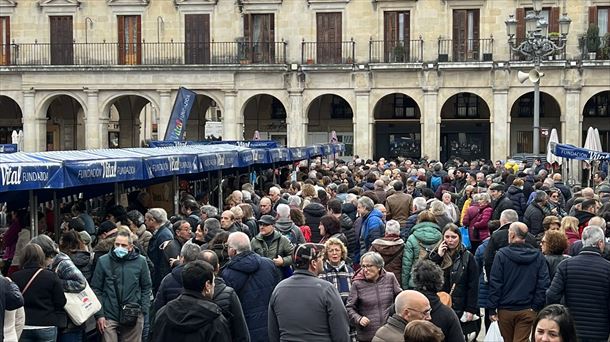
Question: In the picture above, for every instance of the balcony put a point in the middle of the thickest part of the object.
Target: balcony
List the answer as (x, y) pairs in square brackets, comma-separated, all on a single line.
[(603, 53), (559, 55), (328, 52), (395, 51), (465, 50), (144, 53)]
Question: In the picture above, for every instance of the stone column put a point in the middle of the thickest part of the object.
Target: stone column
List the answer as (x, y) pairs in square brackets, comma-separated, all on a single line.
[(499, 125), (165, 108), (93, 129), (34, 128), (363, 126), (571, 128), (430, 133), (296, 125), (232, 129)]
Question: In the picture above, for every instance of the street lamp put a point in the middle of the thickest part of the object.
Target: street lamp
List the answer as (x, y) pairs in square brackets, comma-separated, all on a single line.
[(534, 47)]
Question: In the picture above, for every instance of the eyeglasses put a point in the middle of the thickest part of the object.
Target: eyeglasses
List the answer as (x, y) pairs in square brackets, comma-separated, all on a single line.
[(367, 266), (425, 313)]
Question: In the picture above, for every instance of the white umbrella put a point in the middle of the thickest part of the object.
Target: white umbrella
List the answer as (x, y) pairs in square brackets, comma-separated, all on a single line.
[(590, 142), (598, 142), (550, 157)]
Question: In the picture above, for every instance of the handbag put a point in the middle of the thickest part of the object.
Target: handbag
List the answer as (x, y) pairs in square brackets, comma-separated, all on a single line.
[(493, 333), (82, 305), (465, 237)]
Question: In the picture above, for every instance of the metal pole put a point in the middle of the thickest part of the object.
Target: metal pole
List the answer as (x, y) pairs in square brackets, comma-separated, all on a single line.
[(220, 204), (536, 117), (56, 219), (117, 199), (175, 188)]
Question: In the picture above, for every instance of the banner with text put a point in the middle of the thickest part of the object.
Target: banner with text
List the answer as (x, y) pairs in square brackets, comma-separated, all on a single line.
[(180, 114)]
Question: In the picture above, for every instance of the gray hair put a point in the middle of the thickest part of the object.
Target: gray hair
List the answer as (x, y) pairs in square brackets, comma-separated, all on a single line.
[(48, 246), (379, 206), (485, 197), (509, 215), (591, 235), (540, 196), (209, 210), (246, 195), (351, 198), (392, 227), (294, 201), (374, 257), (189, 252), (366, 202), (158, 214), (437, 208), (125, 232), (211, 224), (282, 210), (419, 203), (239, 241)]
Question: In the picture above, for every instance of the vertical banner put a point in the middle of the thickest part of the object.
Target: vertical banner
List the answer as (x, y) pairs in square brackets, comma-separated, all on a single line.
[(180, 114)]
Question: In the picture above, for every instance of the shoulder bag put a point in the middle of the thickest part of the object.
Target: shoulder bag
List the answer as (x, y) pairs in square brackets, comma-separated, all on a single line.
[(128, 312), (82, 305)]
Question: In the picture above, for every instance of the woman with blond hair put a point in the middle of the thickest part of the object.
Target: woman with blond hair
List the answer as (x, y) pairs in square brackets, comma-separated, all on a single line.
[(336, 270), (569, 225)]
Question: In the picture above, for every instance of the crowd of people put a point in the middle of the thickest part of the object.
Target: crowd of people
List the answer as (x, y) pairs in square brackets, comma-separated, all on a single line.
[(335, 251)]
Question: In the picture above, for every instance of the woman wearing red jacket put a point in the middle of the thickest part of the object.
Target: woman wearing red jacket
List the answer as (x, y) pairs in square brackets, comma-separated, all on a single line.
[(476, 219)]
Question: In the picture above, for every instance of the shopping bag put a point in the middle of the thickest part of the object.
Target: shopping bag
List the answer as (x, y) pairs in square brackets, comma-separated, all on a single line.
[(80, 306), (465, 237), (493, 333)]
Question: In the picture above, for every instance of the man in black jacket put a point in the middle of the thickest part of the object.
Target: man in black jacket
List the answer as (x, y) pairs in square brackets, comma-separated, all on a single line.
[(10, 299), (534, 214), (171, 285), (500, 201), (583, 282)]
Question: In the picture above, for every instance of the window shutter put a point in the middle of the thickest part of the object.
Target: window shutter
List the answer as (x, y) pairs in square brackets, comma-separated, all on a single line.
[(121, 38), (593, 15), (247, 20), (139, 39), (520, 16), (460, 35), (554, 19), (476, 34), (271, 28), (5, 40), (407, 27)]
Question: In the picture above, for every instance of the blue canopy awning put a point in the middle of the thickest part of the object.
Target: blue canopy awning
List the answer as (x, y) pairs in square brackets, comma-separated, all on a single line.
[(21, 171), (280, 154), (168, 161), (578, 153), (299, 153)]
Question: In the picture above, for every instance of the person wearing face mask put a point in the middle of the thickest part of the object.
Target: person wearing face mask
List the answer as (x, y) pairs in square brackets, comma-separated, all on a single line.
[(122, 284), (193, 316)]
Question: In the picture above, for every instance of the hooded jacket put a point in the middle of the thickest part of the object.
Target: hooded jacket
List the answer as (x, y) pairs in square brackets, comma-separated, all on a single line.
[(132, 279), (519, 279), (83, 260), (391, 249), (313, 213), (500, 205), (426, 233), (533, 217), (518, 199), (190, 318), (372, 228), (290, 230), (253, 279), (230, 306)]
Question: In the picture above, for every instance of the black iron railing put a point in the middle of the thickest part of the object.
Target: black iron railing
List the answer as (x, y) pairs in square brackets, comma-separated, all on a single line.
[(144, 53), (328, 52), (465, 50), (396, 51)]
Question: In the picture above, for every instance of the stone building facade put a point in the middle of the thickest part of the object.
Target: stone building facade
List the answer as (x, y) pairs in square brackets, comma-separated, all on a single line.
[(390, 77)]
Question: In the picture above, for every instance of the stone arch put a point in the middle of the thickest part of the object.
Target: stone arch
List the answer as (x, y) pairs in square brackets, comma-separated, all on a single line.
[(596, 114), (11, 118), (397, 126), (65, 128), (521, 118), (206, 108), (465, 129), (266, 114), (329, 112), (132, 118)]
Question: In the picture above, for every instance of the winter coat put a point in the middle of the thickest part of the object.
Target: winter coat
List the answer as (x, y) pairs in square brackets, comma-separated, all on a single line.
[(583, 282), (519, 279), (313, 213), (253, 279), (476, 220), (290, 231), (399, 207), (156, 255), (144, 237), (350, 210), (230, 306), (427, 234), (565, 191), (405, 231), (43, 300), (552, 262), (518, 199), (170, 288), (392, 331), (372, 228), (14, 322), (11, 299), (340, 276), (280, 245), (347, 228), (83, 260), (443, 220), (572, 237), (371, 299), (23, 239), (498, 240), (391, 249), (131, 276), (583, 219), (533, 217), (479, 256), (72, 280), (191, 317), (444, 317), (10, 237), (500, 205)]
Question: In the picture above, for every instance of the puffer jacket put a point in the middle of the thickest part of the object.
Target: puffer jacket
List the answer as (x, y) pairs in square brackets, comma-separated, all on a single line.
[(313, 213), (372, 228), (479, 256), (253, 278), (228, 301), (405, 231), (350, 210), (516, 195), (371, 299), (170, 288), (476, 220), (144, 237), (83, 260), (72, 280), (426, 233), (347, 228), (553, 261), (533, 217), (391, 249), (392, 331)]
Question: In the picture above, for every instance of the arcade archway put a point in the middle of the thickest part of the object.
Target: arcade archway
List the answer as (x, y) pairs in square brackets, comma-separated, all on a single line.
[(10, 119), (327, 113), (65, 124), (397, 127), (132, 121), (522, 119), (267, 115)]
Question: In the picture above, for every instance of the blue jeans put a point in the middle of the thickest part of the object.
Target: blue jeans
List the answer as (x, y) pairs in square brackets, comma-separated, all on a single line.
[(39, 335), (72, 336)]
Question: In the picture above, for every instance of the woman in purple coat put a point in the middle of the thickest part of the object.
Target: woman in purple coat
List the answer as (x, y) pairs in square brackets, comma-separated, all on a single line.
[(372, 293)]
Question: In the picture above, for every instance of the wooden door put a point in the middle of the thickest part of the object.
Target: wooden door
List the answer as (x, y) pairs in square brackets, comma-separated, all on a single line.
[(328, 43), (5, 40), (130, 38), (259, 31), (397, 41), (197, 38), (465, 35), (62, 40)]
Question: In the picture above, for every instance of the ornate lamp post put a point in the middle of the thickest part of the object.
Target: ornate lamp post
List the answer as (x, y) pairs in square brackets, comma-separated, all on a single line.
[(534, 47)]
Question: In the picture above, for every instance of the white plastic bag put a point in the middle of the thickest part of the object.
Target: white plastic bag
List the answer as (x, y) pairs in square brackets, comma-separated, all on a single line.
[(493, 333)]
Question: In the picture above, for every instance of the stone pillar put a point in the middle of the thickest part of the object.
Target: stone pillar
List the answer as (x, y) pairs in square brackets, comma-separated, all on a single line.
[(296, 124), (93, 129), (232, 129), (34, 128), (499, 125), (363, 126), (571, 128), (165, 109), (430, 133)]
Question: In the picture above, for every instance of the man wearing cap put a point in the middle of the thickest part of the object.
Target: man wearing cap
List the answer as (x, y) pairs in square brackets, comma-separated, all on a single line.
[(500, 201), (271, 244), (306, 295), (603, 192)]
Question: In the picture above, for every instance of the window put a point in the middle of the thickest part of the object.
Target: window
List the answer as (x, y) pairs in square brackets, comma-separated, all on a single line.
[(396, 36), (340, 109), (130, 37), (598, 105), (259, 31), (466, 34), (600, 16), (404, 107), (467, 106), (329, 35), (62, 43), (348, 140), (278, 112), (5, 40), (526, 106), (197, 38)]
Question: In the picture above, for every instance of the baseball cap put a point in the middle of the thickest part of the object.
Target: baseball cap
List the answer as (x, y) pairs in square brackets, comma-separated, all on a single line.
[(306, 252), (266, 219)]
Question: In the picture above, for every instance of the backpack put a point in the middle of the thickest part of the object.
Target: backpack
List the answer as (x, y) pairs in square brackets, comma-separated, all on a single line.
[(435, 182), (292, 237), (424, 250)]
